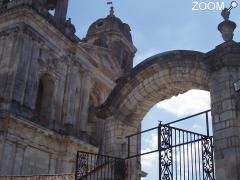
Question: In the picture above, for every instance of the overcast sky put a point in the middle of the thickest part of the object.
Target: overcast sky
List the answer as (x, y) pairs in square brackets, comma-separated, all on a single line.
[(158, 26)]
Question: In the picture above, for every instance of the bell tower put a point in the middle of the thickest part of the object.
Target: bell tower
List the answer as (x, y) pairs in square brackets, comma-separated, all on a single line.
[(58, 6), (112, 33), (61, 11)]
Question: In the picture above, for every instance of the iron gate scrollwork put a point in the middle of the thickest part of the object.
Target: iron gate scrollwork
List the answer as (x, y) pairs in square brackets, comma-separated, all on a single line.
[(81, 165), (164, 146), (183, 154), (207, 155), (98, 167)]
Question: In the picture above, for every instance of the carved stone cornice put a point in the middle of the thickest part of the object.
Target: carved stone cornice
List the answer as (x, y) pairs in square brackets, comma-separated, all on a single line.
[(24, 29), (224, 55), (11, 30), (10, 120), (30, 4)]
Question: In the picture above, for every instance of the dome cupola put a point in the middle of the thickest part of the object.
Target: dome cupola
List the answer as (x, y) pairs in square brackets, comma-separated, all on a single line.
[(110, 24), (112, 33)]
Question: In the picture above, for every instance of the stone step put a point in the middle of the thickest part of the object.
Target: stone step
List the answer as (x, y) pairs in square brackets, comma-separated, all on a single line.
[(40, 177)]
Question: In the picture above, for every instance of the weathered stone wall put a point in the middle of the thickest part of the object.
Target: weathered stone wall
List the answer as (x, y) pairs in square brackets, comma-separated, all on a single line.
[(163, 76), (225, 67), (35, 48), (45, 140), (27, 148), (51, 84)]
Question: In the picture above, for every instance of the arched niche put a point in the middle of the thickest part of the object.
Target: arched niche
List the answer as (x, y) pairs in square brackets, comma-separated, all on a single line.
[(94, 125), (44, 97), (100, 42), (94, 101)]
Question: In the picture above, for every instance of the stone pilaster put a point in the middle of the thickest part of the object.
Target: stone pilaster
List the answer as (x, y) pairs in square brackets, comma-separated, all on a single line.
[(115, 143), (8, 61), (72, 97), (25, 84), (87, 85), (65, 108), (18, 159), (224, 63), (31, 87)]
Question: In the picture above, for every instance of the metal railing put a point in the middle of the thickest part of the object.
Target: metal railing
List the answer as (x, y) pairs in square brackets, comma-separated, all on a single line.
[(90, 166), (182, 154), (131, 137)]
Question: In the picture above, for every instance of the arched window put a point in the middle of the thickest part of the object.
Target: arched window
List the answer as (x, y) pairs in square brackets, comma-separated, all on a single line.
[(45, 96), (95, 129), (101, 43), (125, 61)]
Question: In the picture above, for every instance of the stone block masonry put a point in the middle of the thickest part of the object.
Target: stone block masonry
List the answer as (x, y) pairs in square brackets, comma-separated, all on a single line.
[(43, 177)]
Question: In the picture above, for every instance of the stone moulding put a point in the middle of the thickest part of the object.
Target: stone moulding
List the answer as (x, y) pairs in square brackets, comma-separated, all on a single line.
[(45, 15), (40, 177)]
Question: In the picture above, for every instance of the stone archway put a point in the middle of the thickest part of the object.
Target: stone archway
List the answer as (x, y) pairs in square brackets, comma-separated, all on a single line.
[(155, 79)]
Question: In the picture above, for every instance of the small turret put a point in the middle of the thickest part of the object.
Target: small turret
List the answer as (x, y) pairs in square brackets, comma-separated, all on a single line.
[(55, 11), (59, 6)]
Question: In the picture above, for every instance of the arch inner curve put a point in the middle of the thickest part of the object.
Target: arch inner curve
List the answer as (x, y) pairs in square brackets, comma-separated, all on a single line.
[(155, 79)]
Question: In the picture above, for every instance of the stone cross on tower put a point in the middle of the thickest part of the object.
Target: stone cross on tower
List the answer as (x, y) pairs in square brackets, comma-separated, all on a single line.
[(111, 13)]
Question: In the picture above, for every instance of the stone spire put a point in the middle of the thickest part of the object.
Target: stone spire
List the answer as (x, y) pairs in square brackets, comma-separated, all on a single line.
[(227, 27)]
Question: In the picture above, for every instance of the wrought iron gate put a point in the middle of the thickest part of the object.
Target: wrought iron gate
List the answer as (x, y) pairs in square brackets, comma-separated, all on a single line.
[(91, 166), (183, 155)]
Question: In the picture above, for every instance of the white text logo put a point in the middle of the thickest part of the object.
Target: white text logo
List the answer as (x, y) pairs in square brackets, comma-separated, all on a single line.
[(210, 6)]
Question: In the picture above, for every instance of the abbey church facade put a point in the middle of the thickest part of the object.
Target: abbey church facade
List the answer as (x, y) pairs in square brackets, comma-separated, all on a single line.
[(60, 94), (51, 83)]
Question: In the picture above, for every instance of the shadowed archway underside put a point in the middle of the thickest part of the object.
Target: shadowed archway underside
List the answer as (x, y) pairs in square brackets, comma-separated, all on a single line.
[(155, 79)]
